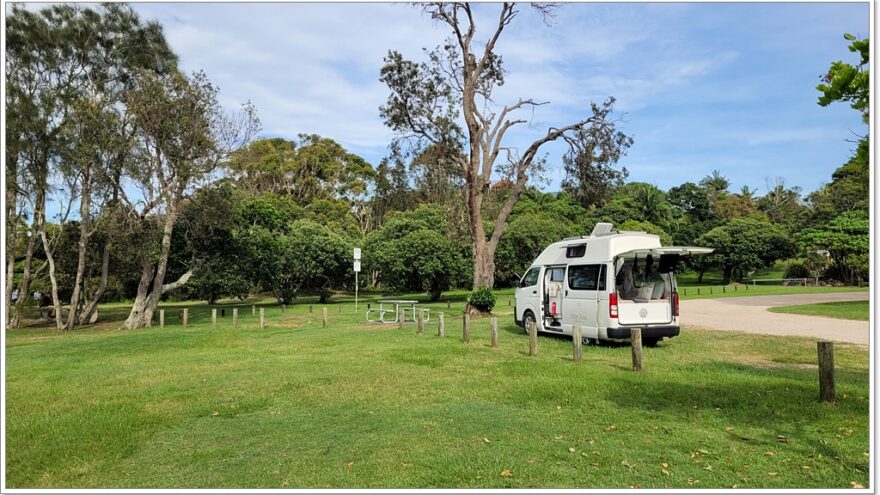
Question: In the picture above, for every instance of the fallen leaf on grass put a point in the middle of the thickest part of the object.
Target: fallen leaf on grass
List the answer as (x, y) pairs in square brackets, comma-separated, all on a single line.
[(215, 413), (627, 464), (665, 464), (350, 465), (855, 485), (781, 438), (729, 428), (506, 473), (486, 440), (571, 449), (772, 473), (665, 472), (769, 454)]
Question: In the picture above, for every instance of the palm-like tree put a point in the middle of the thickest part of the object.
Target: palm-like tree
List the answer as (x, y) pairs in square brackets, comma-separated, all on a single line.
[(715, 183), (651, 204)]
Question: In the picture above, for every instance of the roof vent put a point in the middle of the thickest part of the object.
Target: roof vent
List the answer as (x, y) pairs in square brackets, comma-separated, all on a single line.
[(601, 228)]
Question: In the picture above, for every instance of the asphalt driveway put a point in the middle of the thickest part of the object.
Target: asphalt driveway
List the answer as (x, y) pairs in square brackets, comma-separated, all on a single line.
[(750, 314)]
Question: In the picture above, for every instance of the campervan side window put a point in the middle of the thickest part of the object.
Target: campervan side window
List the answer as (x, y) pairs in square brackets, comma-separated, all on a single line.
[(586, 277), (576, 251), (530, 278)]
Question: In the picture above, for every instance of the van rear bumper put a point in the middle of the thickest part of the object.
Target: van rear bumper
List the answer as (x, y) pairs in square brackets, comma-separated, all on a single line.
[(647, 332)]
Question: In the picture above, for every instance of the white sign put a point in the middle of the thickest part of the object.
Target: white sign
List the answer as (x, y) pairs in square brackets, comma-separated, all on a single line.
[(357, 254), (357, 265)]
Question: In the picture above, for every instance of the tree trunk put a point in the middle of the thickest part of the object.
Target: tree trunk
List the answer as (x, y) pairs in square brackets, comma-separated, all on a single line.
[(700, 278), (483, 256), (24, 287), (11, 232), (148, 298), (728, 274), (84, 234), (91, 303), (484, 265), (56, 302)]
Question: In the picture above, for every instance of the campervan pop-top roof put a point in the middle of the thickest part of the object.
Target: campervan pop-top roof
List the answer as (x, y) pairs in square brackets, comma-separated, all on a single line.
[(602, 244)]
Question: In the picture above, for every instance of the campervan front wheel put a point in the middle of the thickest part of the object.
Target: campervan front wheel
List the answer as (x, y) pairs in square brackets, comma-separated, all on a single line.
[(528, 319)]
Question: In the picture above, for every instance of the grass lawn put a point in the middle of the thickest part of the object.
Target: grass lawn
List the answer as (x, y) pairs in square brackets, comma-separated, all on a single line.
[(847, 310), (360, 405)]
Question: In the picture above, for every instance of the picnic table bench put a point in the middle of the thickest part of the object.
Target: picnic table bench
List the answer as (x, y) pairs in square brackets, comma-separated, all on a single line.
[(394, 307)]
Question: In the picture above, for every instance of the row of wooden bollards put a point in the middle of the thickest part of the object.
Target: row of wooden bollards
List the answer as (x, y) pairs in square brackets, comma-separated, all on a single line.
[(185, 316), (684, 290)]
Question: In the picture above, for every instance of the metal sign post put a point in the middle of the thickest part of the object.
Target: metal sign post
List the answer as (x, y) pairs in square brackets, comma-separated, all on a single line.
[(357, 269)]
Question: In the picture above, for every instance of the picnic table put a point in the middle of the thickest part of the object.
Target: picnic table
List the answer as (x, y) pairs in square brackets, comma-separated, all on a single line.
[(394, 307)]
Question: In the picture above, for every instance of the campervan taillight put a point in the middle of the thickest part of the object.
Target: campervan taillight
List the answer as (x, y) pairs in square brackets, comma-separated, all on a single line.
[(553, 308), (675, 304), (612, 305)]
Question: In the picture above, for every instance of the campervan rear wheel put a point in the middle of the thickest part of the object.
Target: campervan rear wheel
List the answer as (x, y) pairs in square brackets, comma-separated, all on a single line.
[(651, 342), (528, 319)]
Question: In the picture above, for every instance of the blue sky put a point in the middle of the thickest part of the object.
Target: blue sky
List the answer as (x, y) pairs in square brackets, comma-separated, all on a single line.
[(702, 86)]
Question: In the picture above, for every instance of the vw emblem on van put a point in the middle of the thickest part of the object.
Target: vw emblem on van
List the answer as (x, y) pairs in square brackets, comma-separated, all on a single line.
[(643, 312)]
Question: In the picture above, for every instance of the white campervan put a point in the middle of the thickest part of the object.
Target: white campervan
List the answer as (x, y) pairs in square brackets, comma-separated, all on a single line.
[(606, 283)]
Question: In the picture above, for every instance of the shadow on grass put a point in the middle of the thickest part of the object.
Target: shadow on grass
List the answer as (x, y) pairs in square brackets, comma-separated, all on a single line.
[(781, 405)]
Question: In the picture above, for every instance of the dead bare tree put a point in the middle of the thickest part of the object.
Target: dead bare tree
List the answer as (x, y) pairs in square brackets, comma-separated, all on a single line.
[(429, 102)]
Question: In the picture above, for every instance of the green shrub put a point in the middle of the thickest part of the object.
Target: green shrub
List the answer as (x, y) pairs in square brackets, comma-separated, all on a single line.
[(482, 299), (797, 269)]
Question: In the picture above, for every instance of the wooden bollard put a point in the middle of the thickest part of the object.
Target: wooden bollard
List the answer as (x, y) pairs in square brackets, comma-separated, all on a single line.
[(253, 309), (213, 317), (734, 287), (340, 309), (636, 338), (421, 327), (161, 318), (466, 328), (283, 307), (324, 317), (698, 291), (508, 302), (747, 287), (724, 290), (310, 308), (493, 325), (827, 391), (441, 325), (710, 291), (262, 318), (223, 312), (185, 317), (448, 305), (576, 344), (685, 291), (234, 317), (400, 318), (533, 338)]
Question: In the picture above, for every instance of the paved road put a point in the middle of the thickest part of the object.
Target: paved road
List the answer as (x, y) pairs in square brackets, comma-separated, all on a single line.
[(749, 314)]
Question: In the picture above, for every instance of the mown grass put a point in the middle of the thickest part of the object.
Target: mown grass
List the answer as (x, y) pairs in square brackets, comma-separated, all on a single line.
[(361, 405), (847, 310)]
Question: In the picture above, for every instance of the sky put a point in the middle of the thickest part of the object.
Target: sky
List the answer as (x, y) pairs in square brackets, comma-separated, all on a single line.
[(699, 87)]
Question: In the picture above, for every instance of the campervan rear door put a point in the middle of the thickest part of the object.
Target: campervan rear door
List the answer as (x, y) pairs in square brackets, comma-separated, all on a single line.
[(642, 309)]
